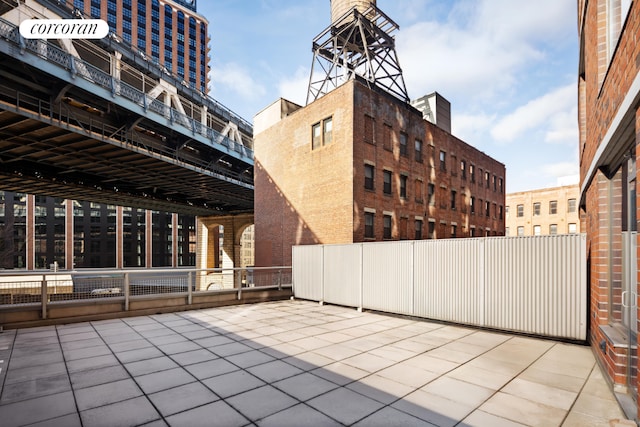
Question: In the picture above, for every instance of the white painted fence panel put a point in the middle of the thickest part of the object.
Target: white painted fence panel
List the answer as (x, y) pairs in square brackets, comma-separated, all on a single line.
[(388, 274), (532, 285)]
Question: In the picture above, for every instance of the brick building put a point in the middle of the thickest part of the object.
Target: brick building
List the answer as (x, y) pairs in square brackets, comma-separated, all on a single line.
[(359, 165), (544, 211), (609, 93)]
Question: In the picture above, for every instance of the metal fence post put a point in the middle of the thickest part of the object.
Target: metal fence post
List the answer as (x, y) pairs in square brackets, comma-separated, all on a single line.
[(189, 290), (239, 284), (126, 291), (279, 279), (44, 296)]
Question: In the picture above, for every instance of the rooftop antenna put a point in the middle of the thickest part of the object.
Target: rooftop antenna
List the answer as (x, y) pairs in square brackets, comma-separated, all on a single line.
[(359, 42)]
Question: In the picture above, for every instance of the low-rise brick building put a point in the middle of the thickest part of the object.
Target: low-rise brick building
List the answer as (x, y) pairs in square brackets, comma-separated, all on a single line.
[(609, 119), (359, 165)]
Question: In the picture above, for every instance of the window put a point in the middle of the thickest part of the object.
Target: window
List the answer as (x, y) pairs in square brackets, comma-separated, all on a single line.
[(418, 149), (453, 200), (571, 205), (432, 194), (368, 225), (403, 144), (494, 181), (520, 231), (553, 207), (369, 126), (472, 205), (500, 212), (553, 229), (487, 209), (573, 228), (403, 186), (387, 131), (387, 175), (418, 191), (386, 227), (443, 161), (369, 172), (463, 169), (500, 188), (487, 176), (418, 229), (472, 173), (431, 234), (322, 133), (454, 230), (536, 230), (536, 209), (520, 213)]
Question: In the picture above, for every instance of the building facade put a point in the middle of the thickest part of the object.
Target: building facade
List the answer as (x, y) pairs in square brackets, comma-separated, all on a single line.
[(546, 211), (360, 165), (609, 121), (38, 231), (170, 32)]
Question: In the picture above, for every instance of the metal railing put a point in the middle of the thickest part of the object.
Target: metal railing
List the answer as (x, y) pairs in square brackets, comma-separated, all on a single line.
[(47, 288), (81, 68)]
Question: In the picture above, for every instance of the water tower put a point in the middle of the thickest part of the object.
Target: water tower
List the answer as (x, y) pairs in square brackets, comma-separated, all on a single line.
[(358, 43)]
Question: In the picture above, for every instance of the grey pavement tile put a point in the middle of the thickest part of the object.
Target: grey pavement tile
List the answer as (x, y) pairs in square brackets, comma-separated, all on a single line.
[(390, 417), (194, 356), (156, 423), (345, 405), (337, 352), (105, 394), (148, 366), (114, 334), (518, 409), (296, 416), (433, 408), (89, 378), (121, 414), (459, 391), (74, 328), (28, 351), (25, 342), (564, 382), (213, 341), (202, 416), (71, 420), (482, 419), (163, 380), (380, 388), (32, 372), (167, 339), (73, 345), (308, 361), (91, 363), (368, 362), (541, 393), (261, 402), (340, 373), (38, 409), (199, 334), (211, 368), (230, 349), (35, 387), (80, 336), (123, 337), (479, 376), (140, 320), (156, 332), (182, 398), (233, 383), (130, 345), (83, 353), (36, 358), (189, 327), (249, 359), (179, 347), (274, 371), (408, 375), (597, 407), (139, 354), (304, 386)]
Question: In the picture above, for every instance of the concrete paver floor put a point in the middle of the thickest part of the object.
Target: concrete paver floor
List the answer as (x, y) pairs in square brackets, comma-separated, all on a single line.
[(294, 363)]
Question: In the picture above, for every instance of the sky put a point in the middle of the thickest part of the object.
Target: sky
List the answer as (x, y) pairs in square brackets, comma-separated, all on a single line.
[(508, 67)]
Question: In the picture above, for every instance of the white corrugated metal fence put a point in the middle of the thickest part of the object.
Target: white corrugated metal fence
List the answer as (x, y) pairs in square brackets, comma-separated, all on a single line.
[(533, 285)]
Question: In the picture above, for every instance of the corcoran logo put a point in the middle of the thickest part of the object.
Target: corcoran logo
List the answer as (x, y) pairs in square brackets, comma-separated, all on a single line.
[(64, 29)]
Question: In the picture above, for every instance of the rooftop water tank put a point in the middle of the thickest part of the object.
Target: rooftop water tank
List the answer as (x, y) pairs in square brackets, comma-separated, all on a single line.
[(340, 7)]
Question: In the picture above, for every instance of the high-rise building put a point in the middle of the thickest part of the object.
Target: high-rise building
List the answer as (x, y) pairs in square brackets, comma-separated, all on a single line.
[(358, 163), (609, 122), (169, 32)]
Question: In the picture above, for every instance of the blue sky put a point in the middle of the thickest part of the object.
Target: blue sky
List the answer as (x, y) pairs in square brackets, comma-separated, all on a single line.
[(508, 67)]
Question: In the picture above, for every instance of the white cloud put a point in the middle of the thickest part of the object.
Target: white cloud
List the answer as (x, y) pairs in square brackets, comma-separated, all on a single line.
[(471, 127), (237, 79), (294, 88), (552, 112), (561, 169)]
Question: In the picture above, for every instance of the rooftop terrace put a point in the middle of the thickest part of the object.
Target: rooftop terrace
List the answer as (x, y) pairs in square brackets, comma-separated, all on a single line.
[(293, 363)]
